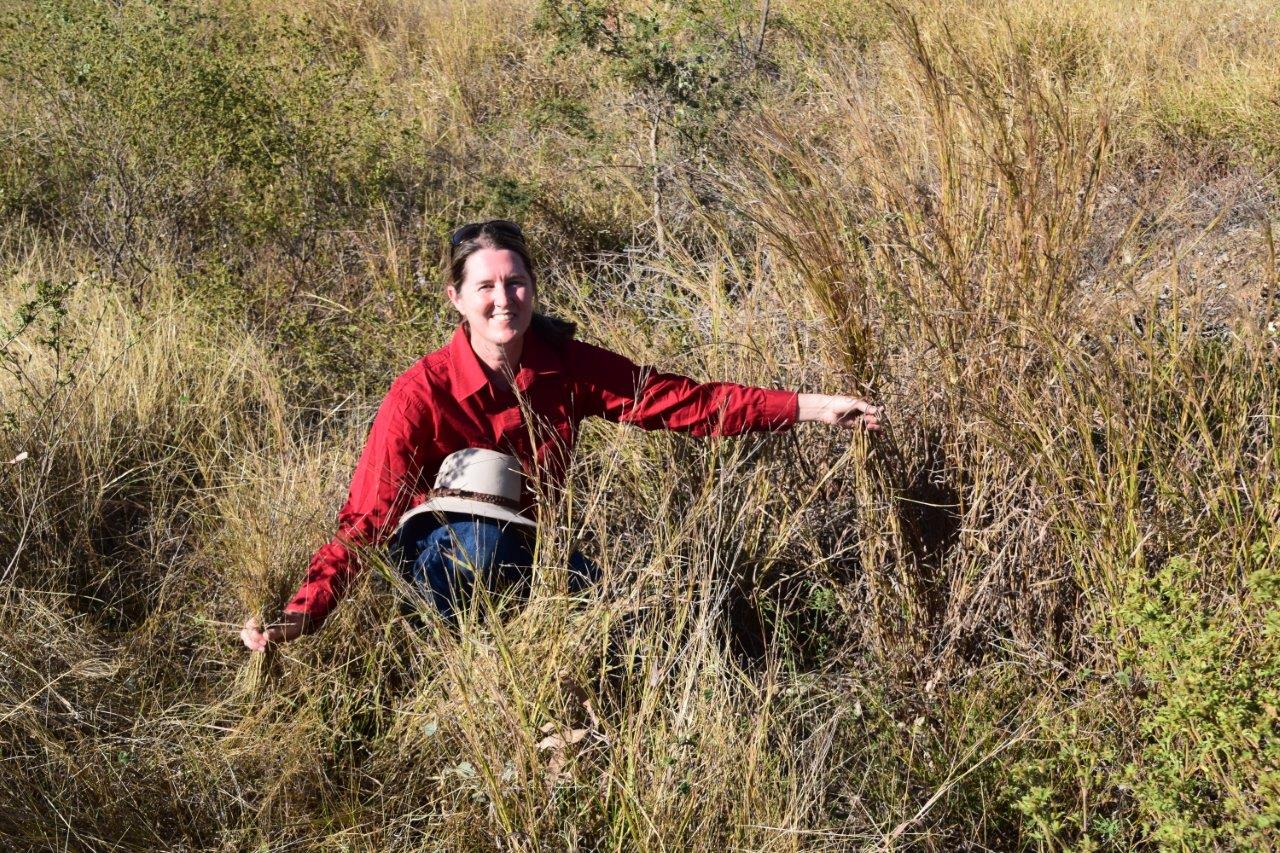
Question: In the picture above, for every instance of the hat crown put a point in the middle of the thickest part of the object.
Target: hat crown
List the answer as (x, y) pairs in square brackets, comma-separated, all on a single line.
[(485, 472)]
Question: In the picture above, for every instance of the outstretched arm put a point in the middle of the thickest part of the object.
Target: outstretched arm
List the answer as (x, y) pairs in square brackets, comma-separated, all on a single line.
[(611, 386)]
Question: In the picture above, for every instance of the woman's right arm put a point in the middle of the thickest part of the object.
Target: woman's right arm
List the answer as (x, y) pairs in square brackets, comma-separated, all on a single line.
[(390, 466)]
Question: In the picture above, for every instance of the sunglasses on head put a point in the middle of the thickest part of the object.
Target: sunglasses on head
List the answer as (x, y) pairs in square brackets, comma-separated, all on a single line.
[(472, 230)]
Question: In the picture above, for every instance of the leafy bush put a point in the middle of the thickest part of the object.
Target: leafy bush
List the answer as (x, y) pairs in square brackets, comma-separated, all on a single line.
[(677, 57), (1208, 770), (185, 128)]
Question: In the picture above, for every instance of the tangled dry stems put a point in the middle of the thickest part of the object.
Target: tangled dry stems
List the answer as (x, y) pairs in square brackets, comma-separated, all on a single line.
[(1039, 612)]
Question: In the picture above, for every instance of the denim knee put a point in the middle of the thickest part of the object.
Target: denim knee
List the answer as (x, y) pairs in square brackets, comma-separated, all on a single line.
[(443, 558)]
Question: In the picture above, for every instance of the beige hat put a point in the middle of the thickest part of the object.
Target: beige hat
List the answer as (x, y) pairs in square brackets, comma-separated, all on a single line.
[(479, 482)]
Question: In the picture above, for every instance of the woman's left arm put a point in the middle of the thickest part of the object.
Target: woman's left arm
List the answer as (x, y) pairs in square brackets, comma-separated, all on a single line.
[(839, 411), (611, 386)]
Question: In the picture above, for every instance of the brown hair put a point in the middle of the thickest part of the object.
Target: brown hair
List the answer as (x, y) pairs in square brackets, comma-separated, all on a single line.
[(503, 234)]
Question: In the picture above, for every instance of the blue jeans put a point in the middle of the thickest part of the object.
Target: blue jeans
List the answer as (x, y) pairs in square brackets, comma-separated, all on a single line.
[(443, 554)]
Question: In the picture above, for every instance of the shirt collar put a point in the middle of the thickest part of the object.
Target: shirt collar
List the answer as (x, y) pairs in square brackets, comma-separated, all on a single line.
[(468, 376)]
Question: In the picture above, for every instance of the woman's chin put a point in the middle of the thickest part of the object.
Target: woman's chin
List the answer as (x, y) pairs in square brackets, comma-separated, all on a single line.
[(500, 333)]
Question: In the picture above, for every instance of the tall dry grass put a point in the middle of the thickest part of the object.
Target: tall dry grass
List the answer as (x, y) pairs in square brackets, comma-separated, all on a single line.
[(1038, 613)]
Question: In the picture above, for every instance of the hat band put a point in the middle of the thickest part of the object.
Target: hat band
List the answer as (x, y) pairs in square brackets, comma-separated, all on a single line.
[(497, 500)]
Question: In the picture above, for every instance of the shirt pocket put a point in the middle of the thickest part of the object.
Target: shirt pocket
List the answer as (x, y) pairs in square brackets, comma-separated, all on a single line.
[(566, 431), (508, 423)]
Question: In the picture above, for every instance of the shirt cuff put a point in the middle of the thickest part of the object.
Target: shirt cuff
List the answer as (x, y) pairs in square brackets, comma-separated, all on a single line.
[(778, 410), (314, 604)]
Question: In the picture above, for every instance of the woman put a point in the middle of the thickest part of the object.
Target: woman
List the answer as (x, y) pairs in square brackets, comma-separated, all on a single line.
[(513, 381)]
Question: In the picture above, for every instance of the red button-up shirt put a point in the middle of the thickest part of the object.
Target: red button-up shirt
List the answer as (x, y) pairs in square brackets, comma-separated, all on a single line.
[(445, 403)]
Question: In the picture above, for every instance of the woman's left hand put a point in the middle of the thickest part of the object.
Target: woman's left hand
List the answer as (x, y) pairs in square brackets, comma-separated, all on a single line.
[(839, 411)]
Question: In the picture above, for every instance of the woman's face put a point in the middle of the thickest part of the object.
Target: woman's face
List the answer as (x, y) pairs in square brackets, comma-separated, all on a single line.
[(496, 296)]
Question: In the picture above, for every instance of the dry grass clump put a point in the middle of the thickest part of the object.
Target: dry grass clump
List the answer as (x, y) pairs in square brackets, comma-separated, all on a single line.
[(1038, 613)]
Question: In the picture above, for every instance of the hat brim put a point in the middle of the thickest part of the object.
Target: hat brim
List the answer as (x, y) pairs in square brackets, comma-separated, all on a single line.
[(469, 507)]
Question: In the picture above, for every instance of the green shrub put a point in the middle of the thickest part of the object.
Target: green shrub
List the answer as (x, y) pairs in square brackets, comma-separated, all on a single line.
[(184, 127), (681, 59), (1208, 771), (1179, 746)]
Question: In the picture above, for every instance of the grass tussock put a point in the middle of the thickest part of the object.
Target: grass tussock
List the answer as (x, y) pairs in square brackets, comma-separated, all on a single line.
[(1038, 613)]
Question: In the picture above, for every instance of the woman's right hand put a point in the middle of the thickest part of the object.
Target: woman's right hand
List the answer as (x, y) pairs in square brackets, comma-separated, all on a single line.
[(256, 638)]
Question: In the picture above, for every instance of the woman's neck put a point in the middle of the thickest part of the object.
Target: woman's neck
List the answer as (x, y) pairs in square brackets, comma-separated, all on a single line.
[(499, 360)]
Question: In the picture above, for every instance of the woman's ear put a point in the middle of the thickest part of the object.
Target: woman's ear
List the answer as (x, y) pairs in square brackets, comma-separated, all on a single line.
[(451, 292)]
